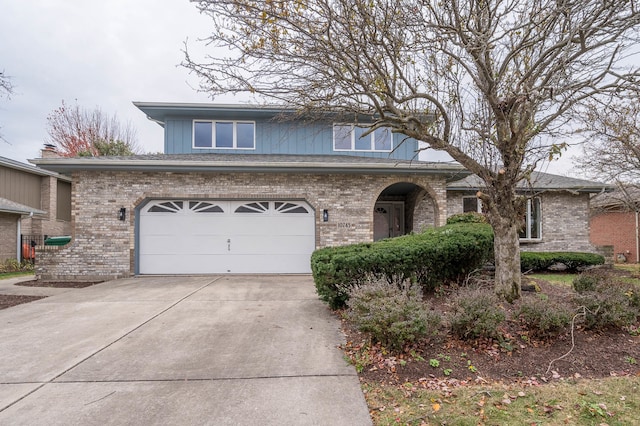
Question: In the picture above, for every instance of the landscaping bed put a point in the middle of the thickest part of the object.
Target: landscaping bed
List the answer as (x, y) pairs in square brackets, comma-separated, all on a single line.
[(58, 284), (9, 300), (596, 354), (581, 376)]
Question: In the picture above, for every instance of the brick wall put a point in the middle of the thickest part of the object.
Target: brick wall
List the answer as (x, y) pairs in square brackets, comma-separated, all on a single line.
[(104, 247), (565, 221), (9, 233), (617, 229)]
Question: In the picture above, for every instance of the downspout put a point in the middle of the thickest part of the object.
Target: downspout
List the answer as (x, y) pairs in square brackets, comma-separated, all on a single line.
[(19, 240)]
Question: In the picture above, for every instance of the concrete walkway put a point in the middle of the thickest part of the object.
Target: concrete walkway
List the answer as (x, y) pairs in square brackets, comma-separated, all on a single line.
[(226, 350)]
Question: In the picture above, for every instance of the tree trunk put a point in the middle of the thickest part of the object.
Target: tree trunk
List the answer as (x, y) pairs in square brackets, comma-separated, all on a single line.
[(507, 257)]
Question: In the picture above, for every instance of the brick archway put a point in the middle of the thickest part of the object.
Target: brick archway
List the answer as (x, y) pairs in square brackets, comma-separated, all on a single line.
[(409, 205)]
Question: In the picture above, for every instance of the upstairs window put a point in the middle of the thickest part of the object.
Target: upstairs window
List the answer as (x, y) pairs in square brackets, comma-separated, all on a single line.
[(532, 229), (224, 134), (349, 137)]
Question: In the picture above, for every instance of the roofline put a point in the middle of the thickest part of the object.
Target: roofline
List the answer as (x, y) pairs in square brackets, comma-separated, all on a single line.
[(73, 164), (580, 189), (17, 165), (21, 212), (209, 106)]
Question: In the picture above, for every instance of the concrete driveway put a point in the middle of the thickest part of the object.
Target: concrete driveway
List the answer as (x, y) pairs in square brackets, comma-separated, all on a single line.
[(223, 350)]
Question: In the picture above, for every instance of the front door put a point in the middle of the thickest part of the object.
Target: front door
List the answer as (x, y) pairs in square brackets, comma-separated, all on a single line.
[(388, 220)]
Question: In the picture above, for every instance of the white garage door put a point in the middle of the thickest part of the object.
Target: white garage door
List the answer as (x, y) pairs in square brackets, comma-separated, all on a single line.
[(204, 237)]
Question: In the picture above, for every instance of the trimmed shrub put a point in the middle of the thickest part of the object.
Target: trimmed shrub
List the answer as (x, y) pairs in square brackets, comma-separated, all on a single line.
[(608, 307), (393, 316), (431, 258), (542, 318), (583, 283), (540, 261), (477, 314), (471, 217)]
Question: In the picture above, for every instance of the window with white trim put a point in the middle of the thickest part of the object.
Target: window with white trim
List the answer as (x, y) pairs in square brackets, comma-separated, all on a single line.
[(532, 229), (349, 137), (209, 134)]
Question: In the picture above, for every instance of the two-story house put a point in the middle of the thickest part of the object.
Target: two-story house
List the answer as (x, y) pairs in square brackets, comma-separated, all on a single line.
[(34, 203), (244, 189)]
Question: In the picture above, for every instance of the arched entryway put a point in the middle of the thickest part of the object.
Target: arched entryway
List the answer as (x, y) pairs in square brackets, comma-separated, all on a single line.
[(402, 208)]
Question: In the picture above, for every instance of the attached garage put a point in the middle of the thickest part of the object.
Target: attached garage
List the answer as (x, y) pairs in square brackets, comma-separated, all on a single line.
[(218, 236)]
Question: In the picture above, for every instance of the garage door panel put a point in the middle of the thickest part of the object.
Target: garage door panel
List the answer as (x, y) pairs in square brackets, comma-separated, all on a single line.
[(271, 226), (276, 237), (196, 264), (274, 264), (183, 245), (275, 244)]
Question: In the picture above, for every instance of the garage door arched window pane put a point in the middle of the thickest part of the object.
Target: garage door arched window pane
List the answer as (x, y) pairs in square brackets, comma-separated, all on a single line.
[(167, 207), (204, 207), (282, 207), (261, 207)]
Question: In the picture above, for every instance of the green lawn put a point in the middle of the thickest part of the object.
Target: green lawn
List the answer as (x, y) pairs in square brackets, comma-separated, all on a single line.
[(557, 278), (5, 275)]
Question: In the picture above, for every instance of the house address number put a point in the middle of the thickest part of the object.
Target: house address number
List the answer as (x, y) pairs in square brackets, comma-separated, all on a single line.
[(346, 225)]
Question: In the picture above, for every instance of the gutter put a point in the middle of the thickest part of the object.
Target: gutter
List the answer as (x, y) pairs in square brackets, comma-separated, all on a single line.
[(244, 166), (160, 123)]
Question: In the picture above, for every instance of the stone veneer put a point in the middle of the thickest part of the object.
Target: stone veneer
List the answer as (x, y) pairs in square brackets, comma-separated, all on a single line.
[(104, 247)]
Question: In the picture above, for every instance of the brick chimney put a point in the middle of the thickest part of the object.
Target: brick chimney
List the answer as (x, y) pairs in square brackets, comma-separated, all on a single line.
[(49, 151)]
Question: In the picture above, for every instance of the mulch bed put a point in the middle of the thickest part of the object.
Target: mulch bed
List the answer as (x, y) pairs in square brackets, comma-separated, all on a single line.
[(58, 284), (9, 300), (518, 359)]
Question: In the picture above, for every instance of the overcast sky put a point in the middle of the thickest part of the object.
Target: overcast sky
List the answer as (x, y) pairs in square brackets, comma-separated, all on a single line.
[(99, 53), (102, 54)]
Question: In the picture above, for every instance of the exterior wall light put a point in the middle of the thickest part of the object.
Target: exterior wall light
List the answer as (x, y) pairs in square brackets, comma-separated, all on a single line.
[(325, 215), (122, 213)]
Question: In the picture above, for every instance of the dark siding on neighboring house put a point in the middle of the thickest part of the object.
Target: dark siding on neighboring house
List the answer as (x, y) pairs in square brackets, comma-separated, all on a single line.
[(21, 187), (63, 195)]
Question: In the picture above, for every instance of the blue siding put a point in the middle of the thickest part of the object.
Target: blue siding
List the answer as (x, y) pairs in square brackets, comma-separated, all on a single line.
[(273, 137)]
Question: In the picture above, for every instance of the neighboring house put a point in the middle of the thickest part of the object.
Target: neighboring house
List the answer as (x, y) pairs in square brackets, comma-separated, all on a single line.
[(615, 222), (245, 189), (11, 216), (34, 203), (557, 215)]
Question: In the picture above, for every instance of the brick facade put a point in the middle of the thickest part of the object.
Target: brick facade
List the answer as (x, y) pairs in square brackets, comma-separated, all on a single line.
[(9, 232), (565, 221), (104, 247), (617, 229)]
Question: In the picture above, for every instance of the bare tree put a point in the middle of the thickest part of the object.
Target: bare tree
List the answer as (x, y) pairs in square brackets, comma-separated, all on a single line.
[(79, 132), (483, 80), (6, 89), (611, 151)]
